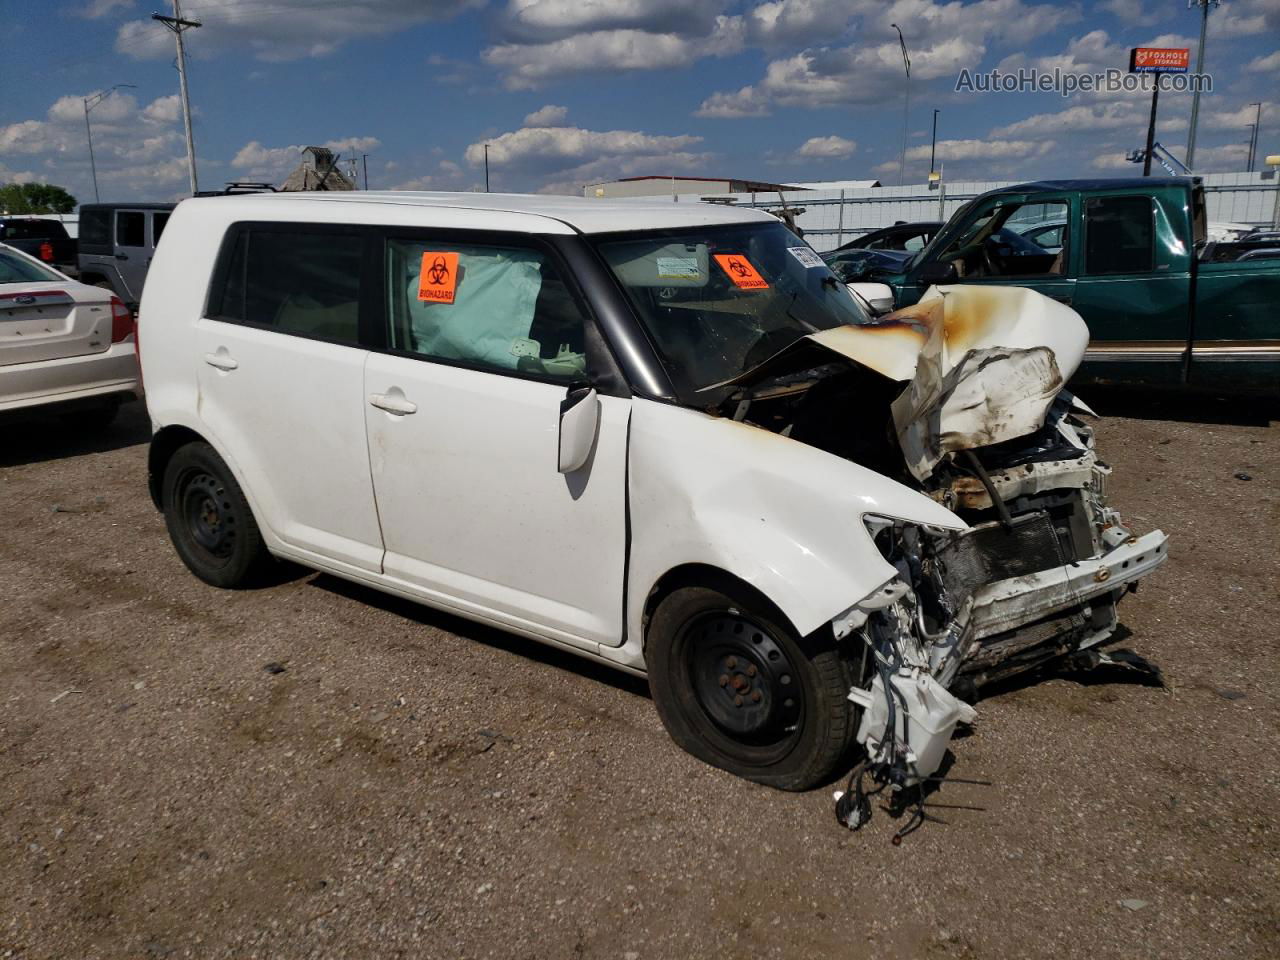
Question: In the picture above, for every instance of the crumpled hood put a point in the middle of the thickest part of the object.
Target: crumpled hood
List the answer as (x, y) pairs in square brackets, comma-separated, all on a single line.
[(984, 364)]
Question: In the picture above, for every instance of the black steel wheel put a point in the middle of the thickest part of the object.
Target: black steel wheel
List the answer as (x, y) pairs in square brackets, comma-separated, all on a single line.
[(209, 519), (738, 689)]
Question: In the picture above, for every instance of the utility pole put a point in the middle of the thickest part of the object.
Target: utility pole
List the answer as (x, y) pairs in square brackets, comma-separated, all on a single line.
[(933, 145), (179, 26), (89, 104), (1195, 96), (1253, 137), (486, 168), (364, 159), (906, 104)]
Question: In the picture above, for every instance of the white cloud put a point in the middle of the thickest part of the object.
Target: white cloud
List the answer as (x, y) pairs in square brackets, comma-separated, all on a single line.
[(1130, 12), (1085, 118), (284, 29), (827, 148), (137, 151), (1270, 62), (556, 19), (548, 116), (96, 9), (747, 102), (564, 158), (529, 65), (163, 109)]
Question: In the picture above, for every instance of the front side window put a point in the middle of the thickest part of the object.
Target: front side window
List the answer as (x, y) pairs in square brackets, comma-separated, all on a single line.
[(501, 308), (1119, 235), (718, 300), (999, 242), (131, 228), (304, 282), (158, 222)]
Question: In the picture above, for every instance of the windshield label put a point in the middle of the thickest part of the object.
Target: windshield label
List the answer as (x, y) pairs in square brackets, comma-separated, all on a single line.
[(741, 272), (806, 256), (438, 279), (678, 268)]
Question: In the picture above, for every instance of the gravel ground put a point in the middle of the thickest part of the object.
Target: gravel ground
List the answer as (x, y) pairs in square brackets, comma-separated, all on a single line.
[(414, 785)]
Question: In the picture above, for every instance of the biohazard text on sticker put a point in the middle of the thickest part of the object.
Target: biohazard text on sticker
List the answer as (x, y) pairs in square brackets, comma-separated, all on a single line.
[(438, 281), (741, 272)]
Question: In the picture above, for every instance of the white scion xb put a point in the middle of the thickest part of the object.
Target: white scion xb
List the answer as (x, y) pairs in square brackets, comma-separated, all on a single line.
[(658, 435)]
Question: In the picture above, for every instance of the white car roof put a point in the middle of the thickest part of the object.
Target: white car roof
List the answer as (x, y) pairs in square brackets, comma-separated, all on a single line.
[(527, 213)]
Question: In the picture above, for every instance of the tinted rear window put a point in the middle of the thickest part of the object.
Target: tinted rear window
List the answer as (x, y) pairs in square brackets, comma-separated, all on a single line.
[(95, 228), (131, 228), (158, 223), (1119, 235), (305, 282), (32, 230)]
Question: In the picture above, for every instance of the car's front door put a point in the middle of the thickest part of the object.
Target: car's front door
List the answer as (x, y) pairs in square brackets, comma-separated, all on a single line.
[(1006, 258), (463, 413), (132, 250), (281, 375)]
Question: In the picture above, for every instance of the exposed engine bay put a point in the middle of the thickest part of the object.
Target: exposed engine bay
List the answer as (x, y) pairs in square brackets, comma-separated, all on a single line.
[(972, 384)]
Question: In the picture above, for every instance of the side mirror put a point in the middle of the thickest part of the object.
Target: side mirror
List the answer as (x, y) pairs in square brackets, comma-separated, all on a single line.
[(579, 420), (936, 271)]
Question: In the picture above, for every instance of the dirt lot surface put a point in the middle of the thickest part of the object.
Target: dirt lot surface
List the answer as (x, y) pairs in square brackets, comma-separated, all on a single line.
[(413, 785)]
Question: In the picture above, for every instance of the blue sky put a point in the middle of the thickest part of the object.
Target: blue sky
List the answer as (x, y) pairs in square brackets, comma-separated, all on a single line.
[(568, 92)]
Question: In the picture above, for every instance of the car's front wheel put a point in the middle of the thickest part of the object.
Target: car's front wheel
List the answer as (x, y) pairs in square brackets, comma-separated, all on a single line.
[(209, 519), (737, 688)]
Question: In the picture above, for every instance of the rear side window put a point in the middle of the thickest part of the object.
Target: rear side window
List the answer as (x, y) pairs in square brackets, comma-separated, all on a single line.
[(500, 308), (95, 228), (33, 230), (1119, 235), (131, 228), (304, 282), (158, 223)]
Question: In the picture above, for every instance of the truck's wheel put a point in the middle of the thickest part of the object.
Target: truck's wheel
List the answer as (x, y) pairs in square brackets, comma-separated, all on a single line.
[(737, 688), (209, 519)]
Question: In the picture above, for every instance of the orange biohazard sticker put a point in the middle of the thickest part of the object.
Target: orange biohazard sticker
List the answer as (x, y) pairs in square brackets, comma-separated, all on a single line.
[(439, 278), (741, 272)]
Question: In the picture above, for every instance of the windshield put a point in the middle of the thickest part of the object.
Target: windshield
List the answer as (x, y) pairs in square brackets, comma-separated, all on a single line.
[(16, 269), (718, 300)]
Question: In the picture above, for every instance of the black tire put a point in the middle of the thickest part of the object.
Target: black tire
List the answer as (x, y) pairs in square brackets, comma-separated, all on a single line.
[(209, 519), (738, 689)]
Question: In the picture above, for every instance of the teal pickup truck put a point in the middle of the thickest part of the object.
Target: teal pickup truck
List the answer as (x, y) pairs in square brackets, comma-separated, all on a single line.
[(1164, 308)]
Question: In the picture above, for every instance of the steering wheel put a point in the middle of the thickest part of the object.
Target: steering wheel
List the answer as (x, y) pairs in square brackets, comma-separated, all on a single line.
[(988, 257)]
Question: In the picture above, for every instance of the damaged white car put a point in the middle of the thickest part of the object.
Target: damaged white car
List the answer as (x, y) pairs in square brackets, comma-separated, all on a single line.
[(661, 436)]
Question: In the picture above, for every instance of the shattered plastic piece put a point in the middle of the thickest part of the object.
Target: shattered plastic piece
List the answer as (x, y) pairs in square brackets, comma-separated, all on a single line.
[(931, 715), (1134, 904)]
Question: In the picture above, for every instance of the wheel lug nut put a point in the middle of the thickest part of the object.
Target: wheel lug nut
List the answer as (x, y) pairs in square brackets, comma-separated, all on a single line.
[(785, 679), (724, 679), (737, 701), (751, 670), (755, 697), (731, 662)]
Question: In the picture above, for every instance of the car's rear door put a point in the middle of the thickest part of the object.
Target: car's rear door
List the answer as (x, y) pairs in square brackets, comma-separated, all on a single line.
[(484, 336), (281, 376)]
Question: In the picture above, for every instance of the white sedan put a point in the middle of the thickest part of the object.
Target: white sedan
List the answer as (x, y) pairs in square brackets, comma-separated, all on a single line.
[(63, 342)]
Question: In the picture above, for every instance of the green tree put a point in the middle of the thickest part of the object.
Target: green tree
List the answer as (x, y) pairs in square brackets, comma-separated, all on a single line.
[(35, 198)]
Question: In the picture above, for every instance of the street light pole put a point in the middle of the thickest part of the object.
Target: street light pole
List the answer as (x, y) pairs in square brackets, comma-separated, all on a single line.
[(1195, 96), (1253, 137), (933, 144), (89, 104), (486, 168), (906, 104)]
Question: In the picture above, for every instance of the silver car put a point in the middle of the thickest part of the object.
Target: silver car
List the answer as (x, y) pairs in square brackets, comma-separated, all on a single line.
[(63, 342)]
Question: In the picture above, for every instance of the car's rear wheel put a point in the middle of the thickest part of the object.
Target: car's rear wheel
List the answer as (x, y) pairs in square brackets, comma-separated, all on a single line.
[(209, 519), (737, 688)]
